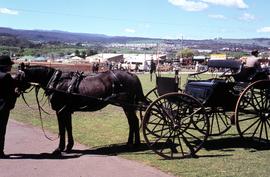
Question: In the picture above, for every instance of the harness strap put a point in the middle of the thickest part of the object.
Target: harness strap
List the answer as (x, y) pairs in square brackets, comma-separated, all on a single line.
[(116, 82), (75, 81), (53, 81)]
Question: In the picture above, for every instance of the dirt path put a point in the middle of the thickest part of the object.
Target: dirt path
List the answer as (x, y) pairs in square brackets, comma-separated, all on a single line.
[(29, 157)]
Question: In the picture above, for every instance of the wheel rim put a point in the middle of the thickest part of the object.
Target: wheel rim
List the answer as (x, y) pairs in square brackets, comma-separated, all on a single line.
[(152, 95), (253, 112), (219, 120), (175, 126)]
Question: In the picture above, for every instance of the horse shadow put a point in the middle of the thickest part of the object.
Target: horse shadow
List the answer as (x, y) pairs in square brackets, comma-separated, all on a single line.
[(228, 143), (112, 149), (107, 150)]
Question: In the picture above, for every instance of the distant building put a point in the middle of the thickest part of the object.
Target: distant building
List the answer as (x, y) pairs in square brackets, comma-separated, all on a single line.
[(220, 56), (105, 57), (199, 58), (142, 60)]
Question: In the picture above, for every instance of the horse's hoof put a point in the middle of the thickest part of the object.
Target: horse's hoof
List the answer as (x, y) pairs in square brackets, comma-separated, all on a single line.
[(133, 146), (56, 152), (137, 145), (130, 145), (69, 147)]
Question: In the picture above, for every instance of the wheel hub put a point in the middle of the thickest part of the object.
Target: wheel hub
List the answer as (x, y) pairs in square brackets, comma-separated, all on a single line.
[(265, 115)]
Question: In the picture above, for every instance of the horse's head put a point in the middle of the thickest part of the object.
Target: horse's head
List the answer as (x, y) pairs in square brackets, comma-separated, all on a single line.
[(27, 75), (20, 78)]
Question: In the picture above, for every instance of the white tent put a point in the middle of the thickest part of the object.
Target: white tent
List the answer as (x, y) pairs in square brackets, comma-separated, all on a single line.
[(76, 58)]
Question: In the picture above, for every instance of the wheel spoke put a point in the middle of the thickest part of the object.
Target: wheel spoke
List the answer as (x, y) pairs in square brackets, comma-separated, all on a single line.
[(250, 126), (261, 130), (250, 118), (158, 139), (180, 145), (188, 144), (157, 131), (249, 103), (266, 133)]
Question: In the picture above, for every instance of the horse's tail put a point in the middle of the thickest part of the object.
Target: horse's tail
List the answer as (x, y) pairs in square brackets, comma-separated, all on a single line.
[(140, 98)]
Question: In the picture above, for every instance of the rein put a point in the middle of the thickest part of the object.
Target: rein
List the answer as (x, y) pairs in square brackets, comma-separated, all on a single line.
[(22, 93), (40, 108), (37, 87)]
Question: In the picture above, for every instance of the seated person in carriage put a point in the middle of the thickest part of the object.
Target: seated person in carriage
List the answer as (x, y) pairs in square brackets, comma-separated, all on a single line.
[(251, 61), (251, 70)]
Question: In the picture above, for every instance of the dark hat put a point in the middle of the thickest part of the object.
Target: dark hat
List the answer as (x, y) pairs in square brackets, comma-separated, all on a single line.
[(5, 60), (254, 52)]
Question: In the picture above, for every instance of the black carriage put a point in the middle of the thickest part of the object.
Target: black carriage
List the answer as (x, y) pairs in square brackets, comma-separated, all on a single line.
[(177, 123)]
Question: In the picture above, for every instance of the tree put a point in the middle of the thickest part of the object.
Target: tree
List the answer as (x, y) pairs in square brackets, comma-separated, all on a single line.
[(77, 53), (90, 52), (83, 55), (185, 53)]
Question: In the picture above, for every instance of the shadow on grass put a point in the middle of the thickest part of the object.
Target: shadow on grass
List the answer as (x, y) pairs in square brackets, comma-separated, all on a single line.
[(230, 143)]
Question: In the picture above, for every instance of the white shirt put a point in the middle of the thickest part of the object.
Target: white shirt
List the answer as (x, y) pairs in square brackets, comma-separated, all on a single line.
[(251, 60)]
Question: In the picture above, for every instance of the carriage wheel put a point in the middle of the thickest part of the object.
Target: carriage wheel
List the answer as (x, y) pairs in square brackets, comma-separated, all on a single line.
[(175, 126), (252, 112), (219, 121), (150, 97)]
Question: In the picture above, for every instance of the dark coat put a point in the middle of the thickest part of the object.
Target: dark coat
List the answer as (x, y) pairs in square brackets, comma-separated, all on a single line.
[(7, 92)]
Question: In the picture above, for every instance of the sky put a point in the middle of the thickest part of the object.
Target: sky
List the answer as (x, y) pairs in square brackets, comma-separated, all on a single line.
[(167, 19)]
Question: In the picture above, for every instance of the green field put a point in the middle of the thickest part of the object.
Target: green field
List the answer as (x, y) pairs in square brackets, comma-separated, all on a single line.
[(106, 132)]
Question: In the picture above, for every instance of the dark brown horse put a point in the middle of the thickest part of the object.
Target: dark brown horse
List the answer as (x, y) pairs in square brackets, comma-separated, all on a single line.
[(70, 91)]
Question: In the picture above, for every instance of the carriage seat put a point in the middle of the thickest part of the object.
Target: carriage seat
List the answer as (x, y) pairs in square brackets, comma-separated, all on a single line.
[(166, 85), (251, 74), (229, 67), (202, 90)]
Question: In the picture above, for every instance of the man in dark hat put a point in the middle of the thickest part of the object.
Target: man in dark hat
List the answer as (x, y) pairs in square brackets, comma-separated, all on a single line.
[(8, 98)]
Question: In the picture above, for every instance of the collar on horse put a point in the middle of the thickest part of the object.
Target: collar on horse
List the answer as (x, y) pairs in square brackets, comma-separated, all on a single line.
[(75, 81), (72, 86), (116, 83)]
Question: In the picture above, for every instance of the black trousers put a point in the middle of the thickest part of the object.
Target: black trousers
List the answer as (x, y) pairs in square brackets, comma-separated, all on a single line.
[(4, 115)]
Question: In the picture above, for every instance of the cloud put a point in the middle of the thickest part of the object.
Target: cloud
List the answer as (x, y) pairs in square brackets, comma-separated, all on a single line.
[(217, 16), (189, 5), (8, 11), (230, 3), (199, 5), (128, 30), (247, 17), (264, 30)]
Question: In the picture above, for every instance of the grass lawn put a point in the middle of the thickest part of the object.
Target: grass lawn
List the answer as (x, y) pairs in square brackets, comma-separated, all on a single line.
[(106, 132)]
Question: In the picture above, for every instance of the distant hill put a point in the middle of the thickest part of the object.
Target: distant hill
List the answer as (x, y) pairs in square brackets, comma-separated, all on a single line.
[(62, 36)]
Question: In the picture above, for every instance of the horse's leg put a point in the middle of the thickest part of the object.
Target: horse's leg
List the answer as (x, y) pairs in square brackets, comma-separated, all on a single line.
[(133, 122), (61, 127), (68, 124)]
